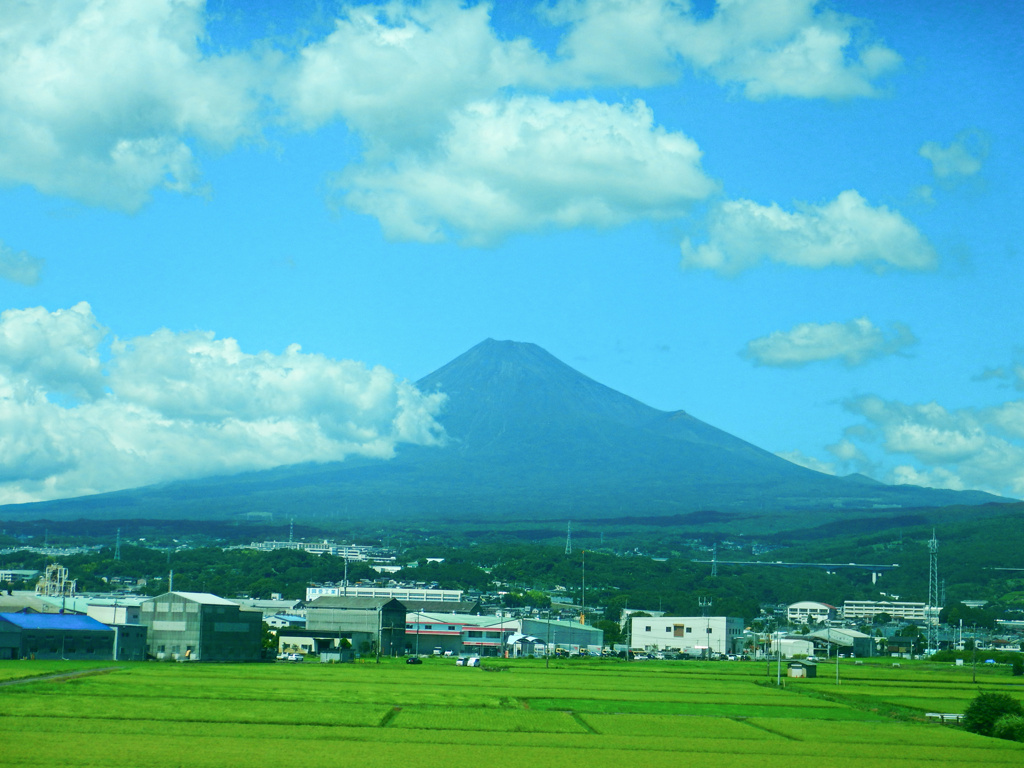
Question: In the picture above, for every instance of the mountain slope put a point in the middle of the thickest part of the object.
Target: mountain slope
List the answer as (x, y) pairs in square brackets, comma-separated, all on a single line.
[(527, 436)]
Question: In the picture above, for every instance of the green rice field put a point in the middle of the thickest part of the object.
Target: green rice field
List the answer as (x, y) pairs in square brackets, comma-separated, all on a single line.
[(437, 714)]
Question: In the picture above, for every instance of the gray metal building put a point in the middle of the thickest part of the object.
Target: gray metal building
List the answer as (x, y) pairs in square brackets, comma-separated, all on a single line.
[(367, 622), (566, 634), (198, 626)]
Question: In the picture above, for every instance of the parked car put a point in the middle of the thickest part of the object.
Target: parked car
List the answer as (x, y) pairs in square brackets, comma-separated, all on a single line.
[(414, 660), (296, 657)]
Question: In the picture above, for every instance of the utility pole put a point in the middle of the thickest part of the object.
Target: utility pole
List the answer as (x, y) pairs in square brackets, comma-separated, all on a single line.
[(583, 591), (778, 677), (705, 603)]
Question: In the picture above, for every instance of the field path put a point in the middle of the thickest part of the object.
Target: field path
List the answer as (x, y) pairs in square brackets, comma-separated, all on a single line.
[(59, 676)]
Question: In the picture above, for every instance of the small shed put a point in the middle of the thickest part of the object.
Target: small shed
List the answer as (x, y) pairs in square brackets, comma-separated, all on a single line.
[(801, 669)]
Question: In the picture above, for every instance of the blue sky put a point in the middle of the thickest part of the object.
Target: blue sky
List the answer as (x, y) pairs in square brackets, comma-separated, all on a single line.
[(231, 239)]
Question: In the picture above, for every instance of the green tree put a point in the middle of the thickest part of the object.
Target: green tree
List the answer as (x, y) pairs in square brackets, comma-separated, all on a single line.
[(986, 708), (268, 640), (611, 629), (1009, 727)]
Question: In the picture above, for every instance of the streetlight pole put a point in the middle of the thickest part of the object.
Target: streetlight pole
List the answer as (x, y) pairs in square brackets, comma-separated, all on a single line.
[(974, 653), (547, 645), (778, 678), (829, 651)]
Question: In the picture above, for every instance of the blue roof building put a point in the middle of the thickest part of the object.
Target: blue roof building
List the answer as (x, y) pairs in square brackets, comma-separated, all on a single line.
[(54, 636)]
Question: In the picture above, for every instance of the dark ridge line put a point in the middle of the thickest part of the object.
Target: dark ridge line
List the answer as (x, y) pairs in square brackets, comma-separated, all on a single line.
[(388, 717), (59, 676)]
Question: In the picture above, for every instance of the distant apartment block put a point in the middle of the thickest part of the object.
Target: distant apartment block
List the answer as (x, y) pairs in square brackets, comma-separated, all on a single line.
[(12, 575), (808, 612), (868, 609), (350, 551), (395, 593)]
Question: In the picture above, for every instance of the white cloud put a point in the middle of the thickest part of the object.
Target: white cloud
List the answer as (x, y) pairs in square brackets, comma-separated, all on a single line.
[(850, 458), (1013, 373), (809, 462), (844, 232), (939, 477), (1008, 417), (854, 343), (395, 72), (790, 48), (529, 163), (169, 406), (53, 353), (962, 157), (99, 98), (19, 266), (961, 448)]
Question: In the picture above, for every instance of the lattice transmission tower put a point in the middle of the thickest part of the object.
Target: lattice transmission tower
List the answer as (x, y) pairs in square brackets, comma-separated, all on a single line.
[(934, 598)]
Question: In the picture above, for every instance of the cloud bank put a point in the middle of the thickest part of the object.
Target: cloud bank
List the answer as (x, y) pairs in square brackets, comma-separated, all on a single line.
[(100, 99), (106, 101), (530, 163), (794, 48), (981, 448), (855, 343), (845, 232), (79, 418)]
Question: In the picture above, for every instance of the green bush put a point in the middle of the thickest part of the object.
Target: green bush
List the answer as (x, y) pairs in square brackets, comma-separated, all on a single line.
[(986, 708), (1009, 727)]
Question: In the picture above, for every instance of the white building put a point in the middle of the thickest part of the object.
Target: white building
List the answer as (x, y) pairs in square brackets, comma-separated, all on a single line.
[(111, 613), (396, 593), (627, 612), (687, 634), (350, 551), (427, 632), (808, 612), (10, 576), (868, 609), (792, 646)]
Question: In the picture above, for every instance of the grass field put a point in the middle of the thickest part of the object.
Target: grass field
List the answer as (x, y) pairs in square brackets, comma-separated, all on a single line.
[(436, 714)]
